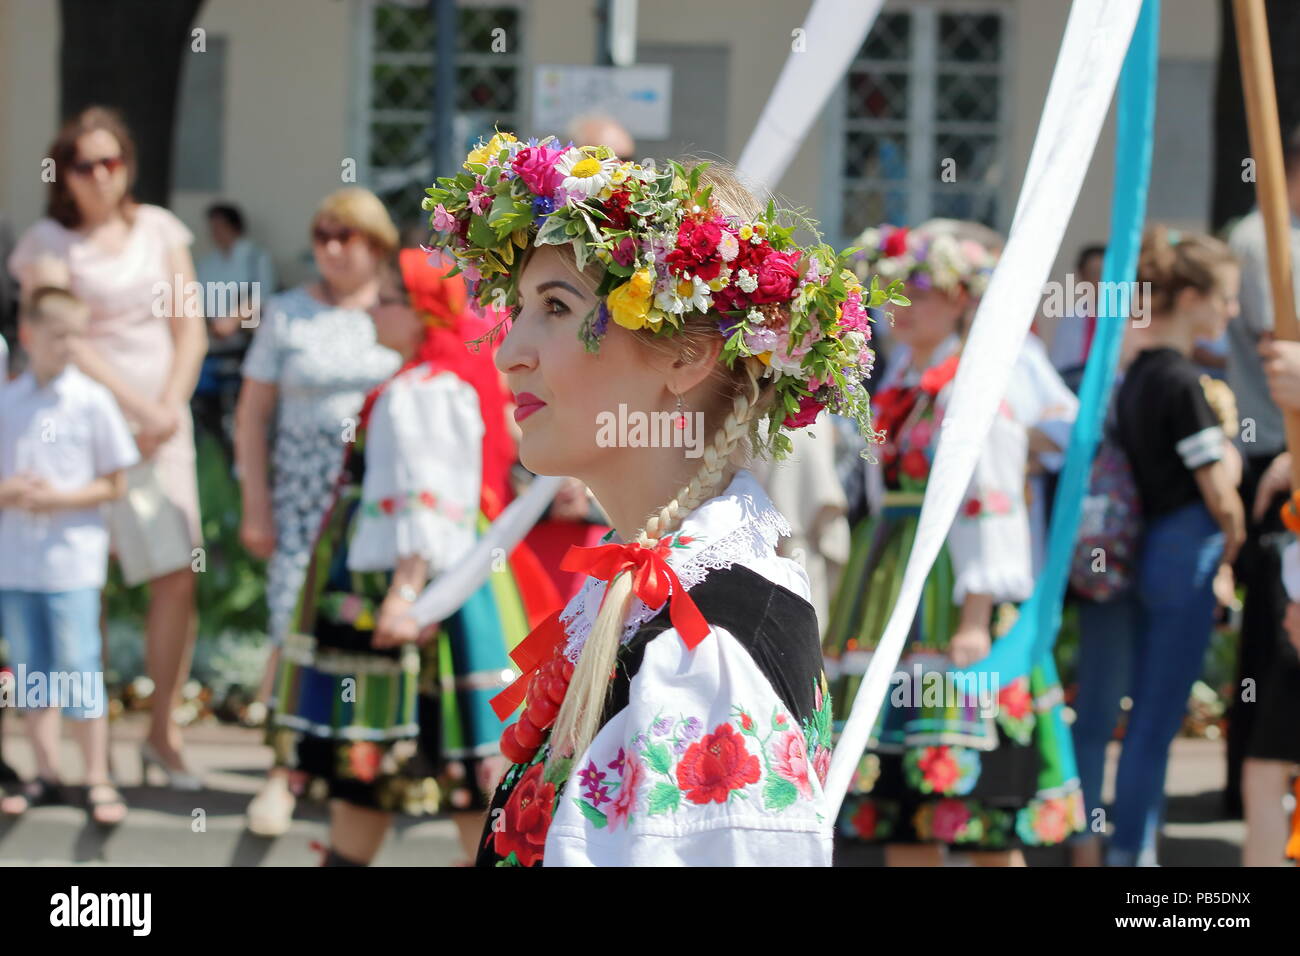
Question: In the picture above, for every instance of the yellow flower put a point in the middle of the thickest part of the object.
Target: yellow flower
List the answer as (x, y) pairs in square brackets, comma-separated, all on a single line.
[(365, 621), (746, 231), (483, 153), (629, 304), (765, 357)]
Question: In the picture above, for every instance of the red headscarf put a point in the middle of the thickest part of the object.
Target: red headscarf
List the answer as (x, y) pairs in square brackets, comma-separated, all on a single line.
[(444, 349)]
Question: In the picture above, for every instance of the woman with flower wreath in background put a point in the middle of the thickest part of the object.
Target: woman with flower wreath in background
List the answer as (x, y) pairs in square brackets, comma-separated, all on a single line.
[(943, 768), (395, 719), (676, 711)]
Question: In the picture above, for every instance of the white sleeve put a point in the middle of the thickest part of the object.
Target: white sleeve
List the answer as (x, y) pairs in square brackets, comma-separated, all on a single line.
[(423, 474), (989, 540), (705, 766)]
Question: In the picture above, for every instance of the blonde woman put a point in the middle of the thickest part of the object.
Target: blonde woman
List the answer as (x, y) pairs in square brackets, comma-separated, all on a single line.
[(312, 361), (675, 712)]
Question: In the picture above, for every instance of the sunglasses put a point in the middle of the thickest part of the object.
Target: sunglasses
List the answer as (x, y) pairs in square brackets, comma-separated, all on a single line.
[(87, 167), (322, 236)]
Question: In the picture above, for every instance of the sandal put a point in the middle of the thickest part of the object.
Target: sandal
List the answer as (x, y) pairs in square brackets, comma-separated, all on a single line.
[(36, 793), (97, 805)]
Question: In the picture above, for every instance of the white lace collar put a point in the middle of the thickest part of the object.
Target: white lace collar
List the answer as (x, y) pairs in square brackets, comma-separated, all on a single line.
[(739, 526)]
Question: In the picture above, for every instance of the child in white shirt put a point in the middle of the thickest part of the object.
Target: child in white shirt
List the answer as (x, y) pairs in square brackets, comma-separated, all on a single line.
[(63, 447)]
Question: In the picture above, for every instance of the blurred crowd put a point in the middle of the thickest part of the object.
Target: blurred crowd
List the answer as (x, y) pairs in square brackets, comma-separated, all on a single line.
[(112, 369)]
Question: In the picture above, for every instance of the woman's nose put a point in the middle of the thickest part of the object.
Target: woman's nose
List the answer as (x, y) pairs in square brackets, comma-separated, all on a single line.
[(515, 353)]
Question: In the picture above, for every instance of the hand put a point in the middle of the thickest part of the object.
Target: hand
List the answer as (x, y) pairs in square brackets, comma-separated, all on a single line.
[(1292, 624), (14, 488), (1225, 588), (1234, 536), (1275, 481), (39, 498), (395, 625), (257, 531), (968, 645), (1281, 364), (157, 424), (225, 326)]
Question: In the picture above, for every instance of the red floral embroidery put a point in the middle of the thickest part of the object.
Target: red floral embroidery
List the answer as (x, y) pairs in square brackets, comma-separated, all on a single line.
[(527, 818), (934, 379), (363, 760), (973, 508), (915, 464), (1015, 699), (428, 500), (715, 766), (389, 505), (939, 769), (864, 820), (950, 818)]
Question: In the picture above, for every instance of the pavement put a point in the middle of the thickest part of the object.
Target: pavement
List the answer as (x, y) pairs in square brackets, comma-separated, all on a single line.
[(206, 828)]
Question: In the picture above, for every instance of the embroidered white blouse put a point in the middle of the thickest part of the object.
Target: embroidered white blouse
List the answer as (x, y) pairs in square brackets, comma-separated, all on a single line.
[(420, 494), (638, 796)]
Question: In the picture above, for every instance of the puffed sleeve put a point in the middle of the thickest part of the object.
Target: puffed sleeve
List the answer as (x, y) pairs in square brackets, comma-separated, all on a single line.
[(989, 541), (168, 225), (705, 766), (423, 474), (45, 238), (265, 357)]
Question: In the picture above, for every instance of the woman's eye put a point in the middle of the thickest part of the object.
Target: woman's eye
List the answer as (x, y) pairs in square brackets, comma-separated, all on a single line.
[(554, 306)]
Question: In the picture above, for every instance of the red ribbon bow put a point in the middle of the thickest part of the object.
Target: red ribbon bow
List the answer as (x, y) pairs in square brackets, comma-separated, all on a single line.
[(653, 581)]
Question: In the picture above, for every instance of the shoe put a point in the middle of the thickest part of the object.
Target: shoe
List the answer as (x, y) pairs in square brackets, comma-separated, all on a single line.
[(96, 806), (270, 813), (38, 793), (180, 779)]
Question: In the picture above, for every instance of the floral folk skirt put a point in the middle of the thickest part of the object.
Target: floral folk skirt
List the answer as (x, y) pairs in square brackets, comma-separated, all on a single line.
[(956, 759)]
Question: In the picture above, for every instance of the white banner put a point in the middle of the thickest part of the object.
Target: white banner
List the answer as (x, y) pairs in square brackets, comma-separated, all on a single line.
[(1087, 68), (832, 33), (448, 592)]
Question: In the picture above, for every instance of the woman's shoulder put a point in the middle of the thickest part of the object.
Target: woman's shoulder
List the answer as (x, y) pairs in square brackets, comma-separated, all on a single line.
[(163, 222), (44, 236)]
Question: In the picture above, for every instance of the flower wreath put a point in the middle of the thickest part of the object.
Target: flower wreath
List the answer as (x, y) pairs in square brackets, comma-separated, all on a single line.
[(668, 251), (942, 262)]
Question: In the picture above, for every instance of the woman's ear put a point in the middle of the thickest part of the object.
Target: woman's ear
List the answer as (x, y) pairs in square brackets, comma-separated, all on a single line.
[(694, 364)]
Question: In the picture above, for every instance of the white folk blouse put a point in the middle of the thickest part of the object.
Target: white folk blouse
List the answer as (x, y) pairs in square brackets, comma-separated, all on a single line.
[(423, 472), (706, 765)]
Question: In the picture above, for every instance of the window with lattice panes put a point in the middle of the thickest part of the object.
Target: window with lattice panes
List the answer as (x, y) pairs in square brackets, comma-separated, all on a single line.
[(924, 121), (399, 104)]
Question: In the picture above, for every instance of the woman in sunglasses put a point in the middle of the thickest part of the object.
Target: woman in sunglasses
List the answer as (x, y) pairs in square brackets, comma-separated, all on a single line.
[(312, 361), (130, 262)]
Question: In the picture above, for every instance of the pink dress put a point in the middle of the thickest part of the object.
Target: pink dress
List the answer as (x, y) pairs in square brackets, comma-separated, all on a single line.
[(120, 290)]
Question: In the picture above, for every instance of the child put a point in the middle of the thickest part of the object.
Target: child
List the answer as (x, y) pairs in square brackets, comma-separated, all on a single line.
[(63, 446)]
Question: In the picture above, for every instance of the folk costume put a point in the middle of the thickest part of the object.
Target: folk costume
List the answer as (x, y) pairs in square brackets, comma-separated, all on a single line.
[(973, 765), (402, 729), (714, 738)]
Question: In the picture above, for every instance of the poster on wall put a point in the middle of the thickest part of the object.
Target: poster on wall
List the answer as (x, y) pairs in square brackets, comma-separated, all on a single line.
[(639, 97)]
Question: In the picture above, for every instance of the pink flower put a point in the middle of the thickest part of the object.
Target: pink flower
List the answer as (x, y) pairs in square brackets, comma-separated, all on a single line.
[(950, 817), (791, 761), (625, 252), (443, 221), (470, 272), (625, 799), (535, 165), (853, 317), (777, 275), (479, 201), (822, 763)]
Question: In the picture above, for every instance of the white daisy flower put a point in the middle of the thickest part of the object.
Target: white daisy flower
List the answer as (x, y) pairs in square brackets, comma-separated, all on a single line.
[(694, 293), (585, 174)]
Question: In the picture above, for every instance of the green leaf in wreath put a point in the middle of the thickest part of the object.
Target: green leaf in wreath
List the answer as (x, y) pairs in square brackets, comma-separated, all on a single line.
[(598, 819), (658, 757), (779, 793), (664, 798)]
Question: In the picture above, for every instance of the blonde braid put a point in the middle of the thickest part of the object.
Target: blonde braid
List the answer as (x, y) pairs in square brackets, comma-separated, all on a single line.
[(579, 718)]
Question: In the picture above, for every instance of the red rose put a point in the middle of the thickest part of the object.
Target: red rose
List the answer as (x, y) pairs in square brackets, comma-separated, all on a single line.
[(915, 464), (715, 766), (809, 409), (778, 274), (895, 243), (527, 818)]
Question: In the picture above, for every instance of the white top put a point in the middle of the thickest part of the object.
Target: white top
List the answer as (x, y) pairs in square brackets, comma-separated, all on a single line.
[(420, 494), (1040, 399), (68, 432), (771, 810)]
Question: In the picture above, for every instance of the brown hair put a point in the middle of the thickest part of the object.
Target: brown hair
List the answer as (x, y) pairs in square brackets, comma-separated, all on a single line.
[(745, 397), (1171, 261), (61, 206)]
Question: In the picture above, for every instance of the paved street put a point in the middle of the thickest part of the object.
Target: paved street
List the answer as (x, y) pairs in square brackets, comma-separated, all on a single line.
[(206, 828)]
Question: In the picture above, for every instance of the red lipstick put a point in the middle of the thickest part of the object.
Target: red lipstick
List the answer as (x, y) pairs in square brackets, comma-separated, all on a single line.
[(525, 404)]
